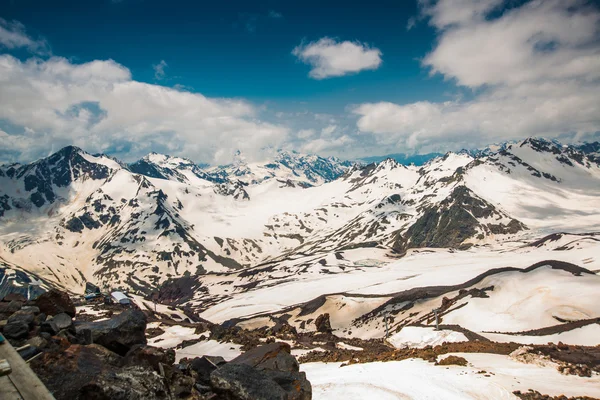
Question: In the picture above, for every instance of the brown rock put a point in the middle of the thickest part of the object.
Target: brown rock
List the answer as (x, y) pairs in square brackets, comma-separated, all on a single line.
[(454, 360), (14, 297), (323, 324), (55, 302), (65, 372), (149, 356), (273, 356)]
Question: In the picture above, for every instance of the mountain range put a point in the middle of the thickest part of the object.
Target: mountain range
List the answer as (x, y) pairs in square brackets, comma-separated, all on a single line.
[(75, 217)]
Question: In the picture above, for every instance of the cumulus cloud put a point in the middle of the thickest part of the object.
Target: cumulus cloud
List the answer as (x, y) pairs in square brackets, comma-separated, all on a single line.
[(13, 36), (159, 70), (534, 69), (329, 58), (98, 106)]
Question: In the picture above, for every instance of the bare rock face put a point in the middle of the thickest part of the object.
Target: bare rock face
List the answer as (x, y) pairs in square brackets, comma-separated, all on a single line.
[(55, 302), (323, 324), (118, 334)]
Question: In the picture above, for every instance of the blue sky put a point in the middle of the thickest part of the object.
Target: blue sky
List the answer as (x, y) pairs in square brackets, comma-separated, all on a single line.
[(336, 78)]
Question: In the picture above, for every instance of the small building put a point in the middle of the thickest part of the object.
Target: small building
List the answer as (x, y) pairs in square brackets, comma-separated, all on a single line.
[(121, 298)]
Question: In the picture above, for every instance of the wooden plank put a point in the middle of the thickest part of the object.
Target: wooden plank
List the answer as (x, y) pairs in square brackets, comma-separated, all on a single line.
[(26, 382), (8, 391)]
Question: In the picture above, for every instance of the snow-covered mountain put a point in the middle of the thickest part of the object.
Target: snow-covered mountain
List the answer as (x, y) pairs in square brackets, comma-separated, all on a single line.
[(73, 217)]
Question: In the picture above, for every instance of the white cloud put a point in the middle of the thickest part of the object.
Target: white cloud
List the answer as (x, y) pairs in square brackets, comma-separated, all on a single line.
[(305, 133), (13, 36), (159, 70), (535, 70), (98, 106), (275, 15), (329, 58)]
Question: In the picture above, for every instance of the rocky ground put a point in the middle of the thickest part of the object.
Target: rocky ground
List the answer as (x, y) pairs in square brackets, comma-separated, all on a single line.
[(101, 352), (105, 356)]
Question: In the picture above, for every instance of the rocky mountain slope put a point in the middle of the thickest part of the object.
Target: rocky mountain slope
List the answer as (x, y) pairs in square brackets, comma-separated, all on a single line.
[(74, 217)]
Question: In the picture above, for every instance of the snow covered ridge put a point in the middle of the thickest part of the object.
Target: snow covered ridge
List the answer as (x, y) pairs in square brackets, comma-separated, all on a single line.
[(73, 217)]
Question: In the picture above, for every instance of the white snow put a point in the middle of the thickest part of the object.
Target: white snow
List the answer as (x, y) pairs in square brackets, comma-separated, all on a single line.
[(418, 379), (585, 336), (420, 337), (173, 336), (228, 351)]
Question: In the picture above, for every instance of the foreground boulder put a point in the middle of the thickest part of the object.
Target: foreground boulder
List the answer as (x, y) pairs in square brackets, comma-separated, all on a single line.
[(265, 372), (65, 372), (118, 334), (242, 382), (55, 302), (131, 383)]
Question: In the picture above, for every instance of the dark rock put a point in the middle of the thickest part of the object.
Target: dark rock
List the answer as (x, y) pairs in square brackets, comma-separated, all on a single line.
[(66, 370), (273, 356), (118, 334), (40, 318), (22, 316), (45, 335), (9, 308), (149, 356), (33, 309), (295, 384), (55, 302), (62, 321), (242, 382), (49, 327), (16, 330), (29, 352), (14, 297), (323, 324), (38, 341), (271, 365), (181, 385), (205, 365), (131, 383)]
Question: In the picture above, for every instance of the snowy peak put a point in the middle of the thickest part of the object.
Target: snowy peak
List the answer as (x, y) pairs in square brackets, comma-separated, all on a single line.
[(288, 167), (162, 166), (42, 182)]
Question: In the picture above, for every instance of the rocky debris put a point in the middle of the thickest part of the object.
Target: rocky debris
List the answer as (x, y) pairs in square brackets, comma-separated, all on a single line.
[(136, 383), (535, 395), (453, 360), (55, 302), (571, 360), (429, 353), (118, 334), (323, 324)]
